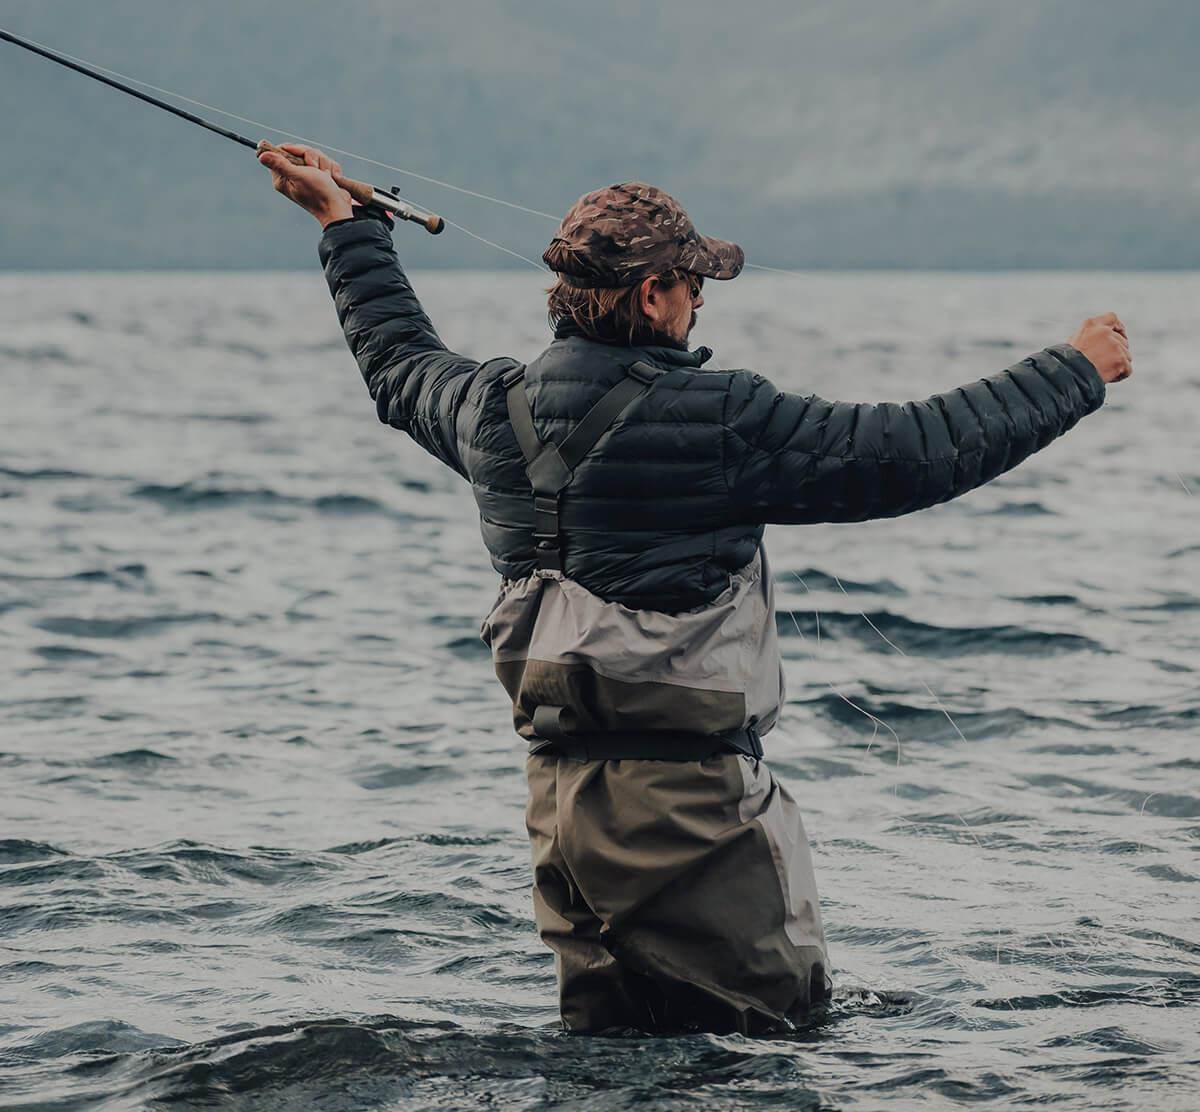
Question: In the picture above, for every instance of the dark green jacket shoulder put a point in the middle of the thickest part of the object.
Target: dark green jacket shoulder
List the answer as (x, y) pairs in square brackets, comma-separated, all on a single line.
[(676, 495)]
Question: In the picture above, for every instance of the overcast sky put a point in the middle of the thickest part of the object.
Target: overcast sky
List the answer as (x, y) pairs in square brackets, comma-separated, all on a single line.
[(863, 132)]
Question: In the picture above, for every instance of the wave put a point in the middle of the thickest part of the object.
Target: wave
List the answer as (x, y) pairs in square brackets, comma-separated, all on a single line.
[(121, 576), (62, 654), (38, 473), (194, 496), (109, 1036), (380, 776), (132, 758), (211, 863), (469, 648), (387, 1061), (232, 418), (231, 347), (117, 628), (39, 353), (818, 580), (1049, 600), (931, 640), (354, 849), (1015, 509), (17, 850), (47, 707), (928, 722), (1179, 990)]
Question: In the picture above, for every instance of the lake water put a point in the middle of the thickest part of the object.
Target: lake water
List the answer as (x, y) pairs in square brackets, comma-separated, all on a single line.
[(261, 832)]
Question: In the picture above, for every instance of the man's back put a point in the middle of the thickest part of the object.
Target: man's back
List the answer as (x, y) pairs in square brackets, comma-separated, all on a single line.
[(674, 498)]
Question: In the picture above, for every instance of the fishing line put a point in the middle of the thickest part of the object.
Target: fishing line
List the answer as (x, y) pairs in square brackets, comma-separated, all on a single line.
[(356, 156), (775, 269), (877, 722), (958, 816), (845, 698), (898, 649), (499, 247), (293, 135)]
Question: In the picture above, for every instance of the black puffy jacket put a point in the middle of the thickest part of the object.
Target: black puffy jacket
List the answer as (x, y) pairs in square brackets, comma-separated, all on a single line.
[(674, 499)]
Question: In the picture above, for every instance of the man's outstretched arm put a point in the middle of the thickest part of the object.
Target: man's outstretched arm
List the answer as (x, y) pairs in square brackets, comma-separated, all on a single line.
[(416, 383), (800, 459)]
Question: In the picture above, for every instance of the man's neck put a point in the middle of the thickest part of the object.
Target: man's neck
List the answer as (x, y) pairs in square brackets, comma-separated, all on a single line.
[(649, 338)]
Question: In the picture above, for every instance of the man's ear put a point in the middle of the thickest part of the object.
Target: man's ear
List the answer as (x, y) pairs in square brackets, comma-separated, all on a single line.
[(650, 298)]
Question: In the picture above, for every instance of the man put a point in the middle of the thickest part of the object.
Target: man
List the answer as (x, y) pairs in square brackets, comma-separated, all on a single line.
[(623, 493)]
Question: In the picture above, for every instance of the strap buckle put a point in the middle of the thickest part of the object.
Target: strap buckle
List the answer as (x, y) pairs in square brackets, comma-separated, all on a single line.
[(545, 518), (513, 374), (756, 745), (548, 556), (645, 372), (747, 740)]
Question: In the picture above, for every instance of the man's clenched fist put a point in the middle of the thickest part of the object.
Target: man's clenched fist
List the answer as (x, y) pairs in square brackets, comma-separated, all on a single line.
[(1105, 343), (313, 186)]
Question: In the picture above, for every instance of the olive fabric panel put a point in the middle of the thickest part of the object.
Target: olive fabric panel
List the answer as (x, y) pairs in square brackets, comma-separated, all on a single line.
[(612, 668)]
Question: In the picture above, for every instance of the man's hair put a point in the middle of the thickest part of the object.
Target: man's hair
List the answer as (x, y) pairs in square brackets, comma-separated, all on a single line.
[(611, 315)]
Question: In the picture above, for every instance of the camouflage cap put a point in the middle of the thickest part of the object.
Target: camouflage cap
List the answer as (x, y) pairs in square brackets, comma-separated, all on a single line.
[(620, 235)]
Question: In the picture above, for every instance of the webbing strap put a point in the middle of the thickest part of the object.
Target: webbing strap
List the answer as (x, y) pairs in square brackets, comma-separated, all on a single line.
[(583, 437), (551, 467), (553, 737), (521, 416)]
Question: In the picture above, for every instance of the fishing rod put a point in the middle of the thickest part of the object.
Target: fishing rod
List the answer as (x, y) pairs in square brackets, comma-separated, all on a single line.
[(363, 193)]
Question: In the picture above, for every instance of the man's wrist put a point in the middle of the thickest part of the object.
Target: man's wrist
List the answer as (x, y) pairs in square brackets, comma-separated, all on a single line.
[(334, 213)]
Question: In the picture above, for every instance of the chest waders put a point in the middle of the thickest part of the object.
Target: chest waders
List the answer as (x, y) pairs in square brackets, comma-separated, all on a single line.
[(550, 468)]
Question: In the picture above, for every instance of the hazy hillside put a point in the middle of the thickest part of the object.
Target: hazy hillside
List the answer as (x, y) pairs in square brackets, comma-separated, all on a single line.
[(912, 132)]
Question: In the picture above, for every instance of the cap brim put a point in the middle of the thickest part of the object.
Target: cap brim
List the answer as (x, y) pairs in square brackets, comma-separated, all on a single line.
[(715, 258)]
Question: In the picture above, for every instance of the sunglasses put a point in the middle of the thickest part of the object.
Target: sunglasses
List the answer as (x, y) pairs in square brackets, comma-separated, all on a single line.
[(695, 284)]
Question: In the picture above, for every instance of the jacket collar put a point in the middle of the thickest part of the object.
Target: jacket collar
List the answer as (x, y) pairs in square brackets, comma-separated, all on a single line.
[(668, 356)]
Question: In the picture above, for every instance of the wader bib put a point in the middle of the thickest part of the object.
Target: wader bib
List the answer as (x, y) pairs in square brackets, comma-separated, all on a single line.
[(672, 874), (595, 680)]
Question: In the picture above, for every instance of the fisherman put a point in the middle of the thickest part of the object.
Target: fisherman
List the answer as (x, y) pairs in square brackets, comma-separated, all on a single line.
[(623, 490)]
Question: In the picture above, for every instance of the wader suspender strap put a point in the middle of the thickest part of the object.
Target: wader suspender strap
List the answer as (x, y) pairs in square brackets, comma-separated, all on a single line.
[(551, 467)]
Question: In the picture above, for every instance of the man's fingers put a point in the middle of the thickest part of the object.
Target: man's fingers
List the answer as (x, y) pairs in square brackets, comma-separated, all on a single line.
[(278, 164), (1112, 320)]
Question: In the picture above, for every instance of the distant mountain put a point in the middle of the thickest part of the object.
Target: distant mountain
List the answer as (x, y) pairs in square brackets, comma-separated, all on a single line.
[(925, 133)]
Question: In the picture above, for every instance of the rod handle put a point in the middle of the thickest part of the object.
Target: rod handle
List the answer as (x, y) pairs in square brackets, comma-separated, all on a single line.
[(366, 194)]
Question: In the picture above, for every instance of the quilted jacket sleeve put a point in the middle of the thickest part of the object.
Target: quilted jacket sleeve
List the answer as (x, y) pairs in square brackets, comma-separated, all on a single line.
[(800, 459), (416, 383)]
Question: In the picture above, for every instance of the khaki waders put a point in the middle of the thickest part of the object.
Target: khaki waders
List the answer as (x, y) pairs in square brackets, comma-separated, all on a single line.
[(676, 895)]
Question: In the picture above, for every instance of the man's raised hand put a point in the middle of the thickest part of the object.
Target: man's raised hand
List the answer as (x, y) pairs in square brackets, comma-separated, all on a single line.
[(1105, 342), (311, 186)]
